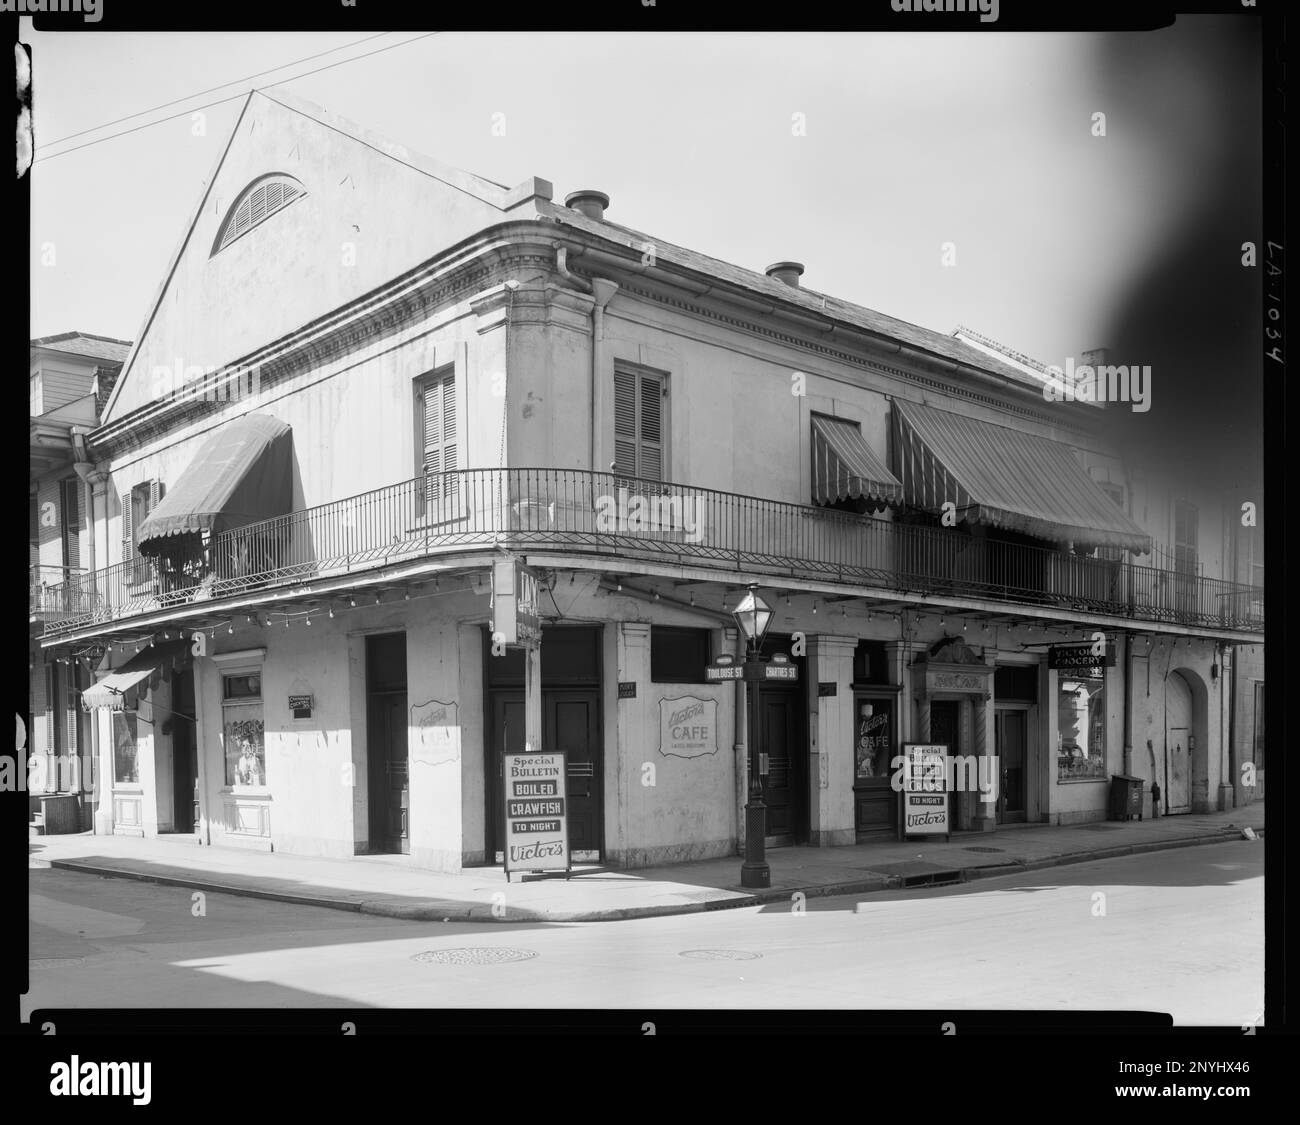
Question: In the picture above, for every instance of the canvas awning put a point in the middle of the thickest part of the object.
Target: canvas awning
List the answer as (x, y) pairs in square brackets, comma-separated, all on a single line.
[(241, 475), (844, 466), (111, 691), (1005, 478)]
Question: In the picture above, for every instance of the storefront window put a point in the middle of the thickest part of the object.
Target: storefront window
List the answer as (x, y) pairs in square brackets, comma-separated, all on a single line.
[(243, 733), (873, 738), (1081, 727), (126, 759)]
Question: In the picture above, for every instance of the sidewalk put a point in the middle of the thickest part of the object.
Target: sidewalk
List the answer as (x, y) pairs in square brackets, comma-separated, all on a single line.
[(393, 887)]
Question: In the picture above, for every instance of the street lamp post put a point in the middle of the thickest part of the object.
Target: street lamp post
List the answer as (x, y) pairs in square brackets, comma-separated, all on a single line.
[(753, 617)]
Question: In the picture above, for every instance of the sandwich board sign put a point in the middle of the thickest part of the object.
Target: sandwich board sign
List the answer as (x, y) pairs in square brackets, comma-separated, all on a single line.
[(536, 816), (925, 791)]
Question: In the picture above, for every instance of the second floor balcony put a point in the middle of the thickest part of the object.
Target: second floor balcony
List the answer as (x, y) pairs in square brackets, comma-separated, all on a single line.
[(604, 516)]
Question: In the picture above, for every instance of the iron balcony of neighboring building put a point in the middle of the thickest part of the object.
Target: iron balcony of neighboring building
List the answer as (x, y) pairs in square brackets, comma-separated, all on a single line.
[(41, 579), (615, 522)]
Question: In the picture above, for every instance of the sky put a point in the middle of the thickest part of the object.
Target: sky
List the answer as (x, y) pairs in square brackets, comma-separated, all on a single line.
[(910, 142)]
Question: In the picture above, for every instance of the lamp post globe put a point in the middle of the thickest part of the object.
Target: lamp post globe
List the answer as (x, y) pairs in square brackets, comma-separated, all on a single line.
[(753, 615)]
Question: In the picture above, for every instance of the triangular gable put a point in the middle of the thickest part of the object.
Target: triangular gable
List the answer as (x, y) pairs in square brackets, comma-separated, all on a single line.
[(371, 210)]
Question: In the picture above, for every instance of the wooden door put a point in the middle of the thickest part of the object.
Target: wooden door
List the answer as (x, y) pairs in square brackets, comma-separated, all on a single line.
[(390, 793), (1178, 754), (785, 788), (573, 727), (1009, 746)]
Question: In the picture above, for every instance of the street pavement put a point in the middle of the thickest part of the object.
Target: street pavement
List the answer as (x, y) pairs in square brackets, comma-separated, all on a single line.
[(1178, 930), (393, 886)]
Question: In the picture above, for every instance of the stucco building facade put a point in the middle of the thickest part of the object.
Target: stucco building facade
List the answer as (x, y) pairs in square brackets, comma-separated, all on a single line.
[(369, 381)]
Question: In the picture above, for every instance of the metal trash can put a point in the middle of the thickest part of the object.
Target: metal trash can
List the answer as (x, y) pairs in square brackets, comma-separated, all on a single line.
[(1125, 797)]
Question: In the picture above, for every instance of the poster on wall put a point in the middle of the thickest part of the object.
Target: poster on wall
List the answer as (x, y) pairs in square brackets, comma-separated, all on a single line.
[(925, 791), (688, 726), (536, 818)]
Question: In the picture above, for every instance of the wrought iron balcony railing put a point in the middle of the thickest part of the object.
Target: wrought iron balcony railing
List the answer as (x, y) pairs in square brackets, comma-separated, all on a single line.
[(604, 515), (40, 578)]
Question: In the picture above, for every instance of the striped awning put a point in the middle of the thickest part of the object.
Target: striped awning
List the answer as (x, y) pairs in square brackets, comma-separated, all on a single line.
[(1005, 478), (844, 466), (242, 474), (112, 692)]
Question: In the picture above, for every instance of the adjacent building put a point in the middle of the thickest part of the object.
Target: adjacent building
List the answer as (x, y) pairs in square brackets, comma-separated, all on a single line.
[(71, 376), (384, 413)]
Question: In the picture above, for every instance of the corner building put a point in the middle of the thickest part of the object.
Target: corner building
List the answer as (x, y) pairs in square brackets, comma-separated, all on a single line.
[(371, 384)]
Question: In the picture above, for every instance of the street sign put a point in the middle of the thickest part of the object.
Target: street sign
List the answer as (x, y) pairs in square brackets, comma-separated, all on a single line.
[(723, 668), (756, 670), (515, 619)]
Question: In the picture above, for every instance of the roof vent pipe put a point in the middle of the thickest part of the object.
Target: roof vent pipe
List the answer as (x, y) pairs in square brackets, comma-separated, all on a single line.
[(588, 202), (787, 272)]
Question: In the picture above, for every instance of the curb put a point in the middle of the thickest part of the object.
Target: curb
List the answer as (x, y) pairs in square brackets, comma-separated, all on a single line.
[(432, 912)]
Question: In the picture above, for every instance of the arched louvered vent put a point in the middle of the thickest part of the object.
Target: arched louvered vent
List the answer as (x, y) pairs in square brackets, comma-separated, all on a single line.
[(259, 201)]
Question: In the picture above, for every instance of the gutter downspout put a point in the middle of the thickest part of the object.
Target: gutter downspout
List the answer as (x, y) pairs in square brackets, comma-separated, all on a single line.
[(601, 290)]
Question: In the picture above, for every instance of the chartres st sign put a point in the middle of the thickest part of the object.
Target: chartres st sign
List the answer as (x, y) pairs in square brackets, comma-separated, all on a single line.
[(726, 668)]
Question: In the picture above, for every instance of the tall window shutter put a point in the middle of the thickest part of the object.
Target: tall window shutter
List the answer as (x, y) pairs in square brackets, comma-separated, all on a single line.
[(651, 456), (128, 538), (72, 524), (624, 424), (440, 453), (450, 461), (432, 396), (638, 425), (155, 493)]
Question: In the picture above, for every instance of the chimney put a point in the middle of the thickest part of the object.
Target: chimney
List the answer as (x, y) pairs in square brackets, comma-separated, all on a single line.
[(588, 202), (785, 271), (1095, 357)]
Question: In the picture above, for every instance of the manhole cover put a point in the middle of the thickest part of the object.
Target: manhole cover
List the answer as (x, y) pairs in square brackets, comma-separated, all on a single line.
[(720, 954), (981, 848), (474, 955)]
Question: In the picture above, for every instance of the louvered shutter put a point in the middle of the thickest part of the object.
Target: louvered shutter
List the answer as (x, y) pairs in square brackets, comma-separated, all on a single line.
[(432, 396), (71, 525), (624, 424), (128, 538), (155, 494), (650, 455), (638, 425), (450, 461)]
